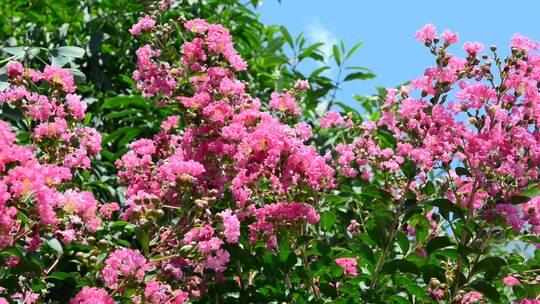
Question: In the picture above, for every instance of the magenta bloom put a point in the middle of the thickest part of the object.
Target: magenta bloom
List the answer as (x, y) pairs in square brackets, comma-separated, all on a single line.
[(426, 33), (92, 295), (144, 24), (348, 264), (473, 48), (511, 281)]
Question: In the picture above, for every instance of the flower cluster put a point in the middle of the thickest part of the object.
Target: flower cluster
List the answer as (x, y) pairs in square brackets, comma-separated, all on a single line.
[(38, 200), (92, 295), (28, 184), (469, 128), (229, 145), (128, 264), (490, 129), (57, 113), (283, 215)]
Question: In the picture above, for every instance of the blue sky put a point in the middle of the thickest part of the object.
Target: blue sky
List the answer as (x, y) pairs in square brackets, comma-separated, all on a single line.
[(387, 29)]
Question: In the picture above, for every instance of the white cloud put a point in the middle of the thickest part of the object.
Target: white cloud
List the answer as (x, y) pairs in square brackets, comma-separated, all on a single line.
[(317, 32)]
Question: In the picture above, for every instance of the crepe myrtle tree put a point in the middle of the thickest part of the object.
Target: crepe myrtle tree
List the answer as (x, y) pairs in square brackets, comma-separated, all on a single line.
[(431, 199)]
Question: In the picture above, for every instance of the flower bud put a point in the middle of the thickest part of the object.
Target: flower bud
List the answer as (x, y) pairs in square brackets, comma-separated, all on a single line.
[(79, 256)]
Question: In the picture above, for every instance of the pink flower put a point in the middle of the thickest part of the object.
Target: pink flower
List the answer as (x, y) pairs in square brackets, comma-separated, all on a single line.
[(143, 146), (511, 214), (231, 226), (127, 263), (524, 43), (348, 264), (273, 216), (76, 106), (301, 85), (107, 209), (197, 26), (426, 33), (334, 119), (92, 295), (471, 297), (170, 123), (218, 261), (145, 24), (528, 301), (473, 48), (28, 297), (61, 77), (511, 281), (303, 130), (450, 37), (284, 102), (14, 69), (7, 137)]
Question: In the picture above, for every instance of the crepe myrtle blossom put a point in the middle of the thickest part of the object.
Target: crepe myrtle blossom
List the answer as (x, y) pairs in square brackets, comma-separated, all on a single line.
[(124, 263), (29, 184), (92, 295), (58, 114), (348, 265), (145, 23), (511, 281)]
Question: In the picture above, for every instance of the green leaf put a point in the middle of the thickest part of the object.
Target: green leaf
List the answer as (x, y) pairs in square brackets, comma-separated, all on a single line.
[(446, 207), (309, 50), (125, 101), (327, 220), (432, 271), (399, 299), (59, 61), (78, 75), (142, 238), (418, 291), (62, 276), (17, 51), (365, 252), (492, 266), (376, 192), (409, 169), (287, 36), (404, 242), (70, 51), (55, 245), (463, 172), (519, 199), (337, 56), (532, 191), (487, 289), (437, 243), (400, 265), (359, 76), (353, 50), (284, 250), (378, 231)]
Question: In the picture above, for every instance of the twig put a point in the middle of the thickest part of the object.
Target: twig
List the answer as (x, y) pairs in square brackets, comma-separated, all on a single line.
[(393, 234)]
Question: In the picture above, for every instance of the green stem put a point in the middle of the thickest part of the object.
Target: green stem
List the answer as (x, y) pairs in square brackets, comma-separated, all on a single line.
[(463, 238), (393, 233)]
